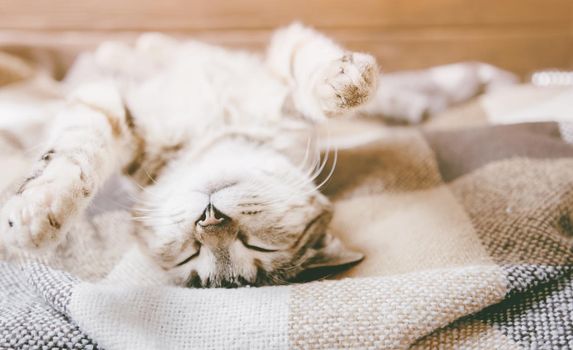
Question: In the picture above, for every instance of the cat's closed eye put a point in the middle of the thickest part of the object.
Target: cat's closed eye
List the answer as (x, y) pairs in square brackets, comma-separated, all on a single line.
[(192, 256), (243, 239)]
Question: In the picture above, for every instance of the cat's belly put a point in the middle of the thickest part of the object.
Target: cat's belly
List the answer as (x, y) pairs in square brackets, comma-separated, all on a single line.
[(198, 100)]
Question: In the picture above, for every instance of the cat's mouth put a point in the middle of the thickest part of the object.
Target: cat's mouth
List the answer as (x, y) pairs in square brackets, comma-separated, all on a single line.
[(194, 281)]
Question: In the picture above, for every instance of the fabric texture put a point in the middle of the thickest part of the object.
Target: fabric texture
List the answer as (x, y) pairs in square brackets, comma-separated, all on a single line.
[(466, 228)]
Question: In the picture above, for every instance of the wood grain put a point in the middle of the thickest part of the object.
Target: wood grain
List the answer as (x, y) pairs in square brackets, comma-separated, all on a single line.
[(520, 35), (264, 14)]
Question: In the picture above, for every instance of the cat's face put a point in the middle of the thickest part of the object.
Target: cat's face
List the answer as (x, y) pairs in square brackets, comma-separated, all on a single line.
[(238, 214)]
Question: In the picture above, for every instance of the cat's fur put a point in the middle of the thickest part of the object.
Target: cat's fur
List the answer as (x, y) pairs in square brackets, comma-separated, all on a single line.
[(215, 139), (220, 144)]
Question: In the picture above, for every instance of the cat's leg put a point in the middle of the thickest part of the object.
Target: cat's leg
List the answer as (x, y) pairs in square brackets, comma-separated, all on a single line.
[(138, 62), (123, 63), (326, 80), (90, 139)]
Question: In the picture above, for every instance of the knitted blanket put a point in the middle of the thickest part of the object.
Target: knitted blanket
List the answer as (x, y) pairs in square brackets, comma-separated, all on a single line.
[(466, 228)]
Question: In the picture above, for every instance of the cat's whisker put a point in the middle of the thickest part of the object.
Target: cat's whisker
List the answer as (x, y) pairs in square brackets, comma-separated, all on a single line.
[(307, 179), (315, 162), (146, 191), (302, 163), (154, 215), (326, 158), (134, 197), (307, 152), (149, 176), (146, 208), (291, 183), (151, 226), (97, 207), (316, 167), (313, 169), (319, 170), (327, 178), (155, 220), (296, 266), (297, 182), (148, 218), (163, 225), (327, 152), (319, 186)]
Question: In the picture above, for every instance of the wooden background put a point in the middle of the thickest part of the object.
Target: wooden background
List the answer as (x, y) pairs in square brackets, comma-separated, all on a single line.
[(520, 35)]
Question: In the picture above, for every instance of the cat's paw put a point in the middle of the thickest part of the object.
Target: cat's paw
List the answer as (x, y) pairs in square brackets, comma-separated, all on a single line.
[(39, 213), (347, 83), (36, 218)]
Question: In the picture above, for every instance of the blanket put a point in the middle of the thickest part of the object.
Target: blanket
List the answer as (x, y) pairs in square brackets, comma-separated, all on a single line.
[(466, 228)]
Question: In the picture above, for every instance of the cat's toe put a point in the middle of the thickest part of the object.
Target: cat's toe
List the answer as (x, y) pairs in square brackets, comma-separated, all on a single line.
[(347, 83), (30, 221)]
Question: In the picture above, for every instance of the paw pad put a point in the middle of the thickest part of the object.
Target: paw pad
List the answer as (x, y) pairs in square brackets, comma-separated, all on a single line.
[(347, 83)]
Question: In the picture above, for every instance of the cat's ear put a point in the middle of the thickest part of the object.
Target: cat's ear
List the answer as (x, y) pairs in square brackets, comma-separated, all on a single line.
[(331, 252)]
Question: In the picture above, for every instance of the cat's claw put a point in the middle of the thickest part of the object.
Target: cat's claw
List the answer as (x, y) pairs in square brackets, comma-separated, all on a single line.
[(347, 83)]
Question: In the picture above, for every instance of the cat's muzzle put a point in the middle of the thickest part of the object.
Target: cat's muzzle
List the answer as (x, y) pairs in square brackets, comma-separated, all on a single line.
[(215, 229)]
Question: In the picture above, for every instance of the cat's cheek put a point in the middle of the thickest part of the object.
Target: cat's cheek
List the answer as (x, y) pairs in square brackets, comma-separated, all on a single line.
[(244, 261), (166, 247), (180, 275), (202, 266)]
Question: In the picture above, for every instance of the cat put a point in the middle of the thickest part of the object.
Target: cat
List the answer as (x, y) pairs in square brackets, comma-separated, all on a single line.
[(220, 144)]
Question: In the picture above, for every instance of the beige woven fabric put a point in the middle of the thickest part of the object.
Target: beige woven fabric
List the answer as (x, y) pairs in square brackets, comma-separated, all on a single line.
[(391, 312), (467, 233)]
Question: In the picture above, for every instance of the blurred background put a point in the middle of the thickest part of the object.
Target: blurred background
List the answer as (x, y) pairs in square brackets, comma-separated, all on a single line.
[(519, 35)]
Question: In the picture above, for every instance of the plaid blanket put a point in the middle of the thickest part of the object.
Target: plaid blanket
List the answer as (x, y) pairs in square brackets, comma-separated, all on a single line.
[(466, 227)]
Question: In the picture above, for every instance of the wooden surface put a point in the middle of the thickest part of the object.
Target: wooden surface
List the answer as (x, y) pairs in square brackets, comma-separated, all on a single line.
[(520, 35)]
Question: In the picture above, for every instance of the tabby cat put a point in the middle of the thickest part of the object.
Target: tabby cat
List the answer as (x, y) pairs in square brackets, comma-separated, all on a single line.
[(220, 144)]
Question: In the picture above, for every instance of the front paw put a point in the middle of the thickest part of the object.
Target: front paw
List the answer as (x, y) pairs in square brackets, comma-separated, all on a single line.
[(347, 83), (34, 219)]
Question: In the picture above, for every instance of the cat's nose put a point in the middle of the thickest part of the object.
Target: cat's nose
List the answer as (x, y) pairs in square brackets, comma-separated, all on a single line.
[(215, 229), (212, 217)]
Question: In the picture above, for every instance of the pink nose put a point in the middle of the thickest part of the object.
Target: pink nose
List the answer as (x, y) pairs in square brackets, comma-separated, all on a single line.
[(212, 217), (215, 229)]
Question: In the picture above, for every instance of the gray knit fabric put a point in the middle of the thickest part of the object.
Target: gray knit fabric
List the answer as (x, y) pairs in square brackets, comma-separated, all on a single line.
[(33, 301), (541, 318)]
